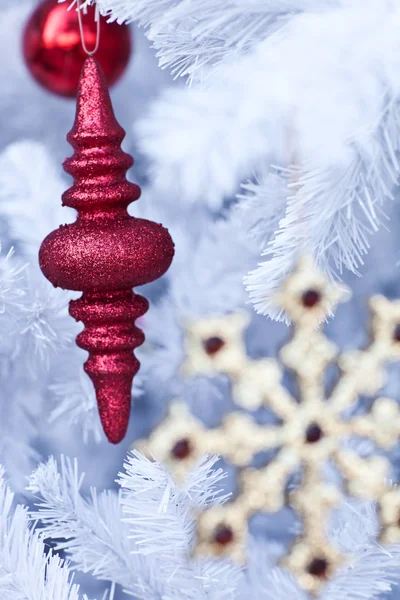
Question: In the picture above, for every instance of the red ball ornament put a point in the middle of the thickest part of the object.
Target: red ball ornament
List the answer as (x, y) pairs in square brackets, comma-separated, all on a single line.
[(105, 252), (53, 50)]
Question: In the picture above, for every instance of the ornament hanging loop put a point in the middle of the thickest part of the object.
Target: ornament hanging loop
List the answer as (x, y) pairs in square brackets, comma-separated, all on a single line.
[(97, 19)]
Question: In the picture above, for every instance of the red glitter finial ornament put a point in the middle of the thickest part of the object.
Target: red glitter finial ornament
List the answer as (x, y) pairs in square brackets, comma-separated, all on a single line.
[(105, 252)]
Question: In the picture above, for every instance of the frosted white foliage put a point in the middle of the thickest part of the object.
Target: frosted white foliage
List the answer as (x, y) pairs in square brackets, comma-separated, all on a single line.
[(162, 524), (289, 96), (142, 537), (105, 534), (44, 324), (371, 569), (331, 218), (75, 400), (190, 41), (205, 275), (261, 206), (321, 92), (30, 197), (212, 142), (29, 207), (11, 277), (90, 530), (292, 106), (28, 571), (33, 327)]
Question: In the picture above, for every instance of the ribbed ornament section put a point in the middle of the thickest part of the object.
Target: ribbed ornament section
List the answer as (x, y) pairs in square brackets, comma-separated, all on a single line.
[(106, 252), (110, 336)]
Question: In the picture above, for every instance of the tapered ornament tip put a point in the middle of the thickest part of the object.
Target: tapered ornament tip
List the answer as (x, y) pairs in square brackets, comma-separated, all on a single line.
[(114, 402), (94, 110)]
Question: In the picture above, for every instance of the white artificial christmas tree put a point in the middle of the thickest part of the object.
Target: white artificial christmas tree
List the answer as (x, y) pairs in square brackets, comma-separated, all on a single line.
[(262, 129)]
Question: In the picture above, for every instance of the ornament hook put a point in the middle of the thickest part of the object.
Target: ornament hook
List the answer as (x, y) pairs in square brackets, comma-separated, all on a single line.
[(97, 19)]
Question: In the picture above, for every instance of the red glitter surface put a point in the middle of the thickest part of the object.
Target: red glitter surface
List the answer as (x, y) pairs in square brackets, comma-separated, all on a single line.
[(105, 252), (53, 51)]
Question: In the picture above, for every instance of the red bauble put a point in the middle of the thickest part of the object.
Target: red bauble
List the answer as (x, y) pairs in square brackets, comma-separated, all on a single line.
[(53, 50), (105, 252)]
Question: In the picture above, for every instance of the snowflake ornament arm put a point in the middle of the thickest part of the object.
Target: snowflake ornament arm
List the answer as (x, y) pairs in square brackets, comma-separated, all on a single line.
[(309, 437), (216, 345)]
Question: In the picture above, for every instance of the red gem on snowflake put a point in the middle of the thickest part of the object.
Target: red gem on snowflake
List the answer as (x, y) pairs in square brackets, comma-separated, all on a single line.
[(318, 567), (182, 449), (213, 345), (314, 433), (223, 535), (310, 298)]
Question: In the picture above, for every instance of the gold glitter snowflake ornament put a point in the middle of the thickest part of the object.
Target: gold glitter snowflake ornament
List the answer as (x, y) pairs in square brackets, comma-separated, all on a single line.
[(310, 434)]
